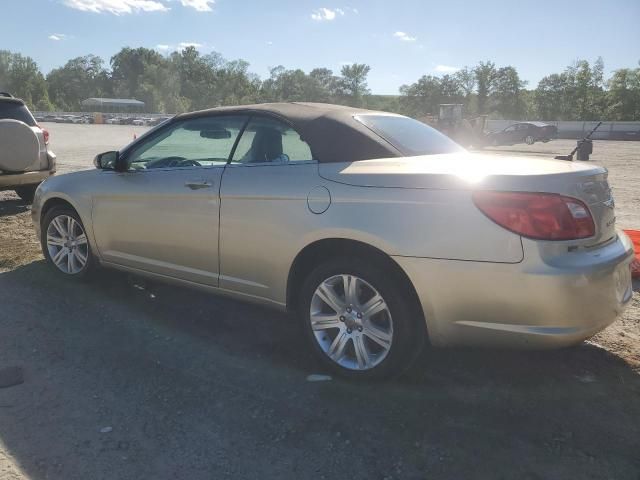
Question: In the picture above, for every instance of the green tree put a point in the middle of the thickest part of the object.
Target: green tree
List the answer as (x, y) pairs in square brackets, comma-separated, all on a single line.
[(425, 96), (507, 96), (236, 85), (466, 78), (422, 97), (585, 91), (549, 97), (20, 76), (324, 84), (575, 94), (353, 82), (80, 78), (485, 78), (140, 73), (194, 79), (623, 97)]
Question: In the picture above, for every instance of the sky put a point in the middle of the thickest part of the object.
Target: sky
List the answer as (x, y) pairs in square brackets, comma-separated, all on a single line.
[(401, 40)]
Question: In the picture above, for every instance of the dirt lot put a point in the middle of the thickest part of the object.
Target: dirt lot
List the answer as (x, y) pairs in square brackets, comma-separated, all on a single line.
[(128, 381)]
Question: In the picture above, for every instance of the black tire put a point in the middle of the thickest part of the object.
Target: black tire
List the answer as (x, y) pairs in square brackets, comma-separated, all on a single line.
[(409, 330), (529, 140), (52, 214), (26, 192)]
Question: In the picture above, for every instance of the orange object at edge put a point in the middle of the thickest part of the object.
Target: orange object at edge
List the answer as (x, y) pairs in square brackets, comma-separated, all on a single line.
[(634, 235)]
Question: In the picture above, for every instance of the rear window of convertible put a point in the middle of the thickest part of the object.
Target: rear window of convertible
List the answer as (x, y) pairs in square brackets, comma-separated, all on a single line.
[(409, 136)]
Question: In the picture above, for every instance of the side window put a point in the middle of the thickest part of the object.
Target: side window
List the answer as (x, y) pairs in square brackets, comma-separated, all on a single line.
[(204, 141), (512, 128), (266, 140)]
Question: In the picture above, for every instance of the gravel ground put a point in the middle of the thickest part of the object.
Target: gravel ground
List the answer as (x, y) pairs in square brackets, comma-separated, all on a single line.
[(129, 380)]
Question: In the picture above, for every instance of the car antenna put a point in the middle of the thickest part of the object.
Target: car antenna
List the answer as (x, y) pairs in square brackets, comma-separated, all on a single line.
[(569, 157)]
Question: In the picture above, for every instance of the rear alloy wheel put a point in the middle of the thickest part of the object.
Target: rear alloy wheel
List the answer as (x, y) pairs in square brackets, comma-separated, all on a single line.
[(64, 242), (353, 328), (360, 323), (529, 140)]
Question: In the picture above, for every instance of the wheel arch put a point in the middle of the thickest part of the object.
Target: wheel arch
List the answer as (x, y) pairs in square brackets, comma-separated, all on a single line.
[(56, 202), (62, 200), (311, 255)]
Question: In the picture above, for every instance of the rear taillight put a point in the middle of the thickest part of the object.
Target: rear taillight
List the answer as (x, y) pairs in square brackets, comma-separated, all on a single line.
[(542, 216), (45, 133)]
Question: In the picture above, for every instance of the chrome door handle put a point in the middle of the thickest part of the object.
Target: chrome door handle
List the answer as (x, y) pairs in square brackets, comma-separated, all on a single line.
[(198, 184)]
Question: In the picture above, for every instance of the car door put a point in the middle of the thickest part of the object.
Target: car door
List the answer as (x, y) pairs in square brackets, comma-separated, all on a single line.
[(264, 214), (161, 213), (510, 135), (524, 129)]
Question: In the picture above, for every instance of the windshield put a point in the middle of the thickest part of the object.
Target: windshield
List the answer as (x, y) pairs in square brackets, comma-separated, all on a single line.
[(195, 142), (409, 136)]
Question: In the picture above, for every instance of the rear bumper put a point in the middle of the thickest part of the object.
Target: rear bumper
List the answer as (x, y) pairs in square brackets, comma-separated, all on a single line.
[(11, 180), (525, 305)]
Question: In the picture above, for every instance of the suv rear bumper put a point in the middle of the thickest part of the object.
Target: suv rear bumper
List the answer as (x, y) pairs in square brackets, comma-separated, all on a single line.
[(10, 180)]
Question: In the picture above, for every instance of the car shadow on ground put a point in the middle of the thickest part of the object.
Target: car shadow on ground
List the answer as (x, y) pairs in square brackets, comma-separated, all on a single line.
[(194, 386), (10, 206)]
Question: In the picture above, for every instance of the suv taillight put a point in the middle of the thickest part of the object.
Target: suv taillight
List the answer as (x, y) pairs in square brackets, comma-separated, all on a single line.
[(541, 216), (45, 133)]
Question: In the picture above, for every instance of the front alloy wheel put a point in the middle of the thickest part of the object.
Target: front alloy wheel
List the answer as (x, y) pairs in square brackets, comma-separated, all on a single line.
[(529, 140), (351, 322), (65, 243)]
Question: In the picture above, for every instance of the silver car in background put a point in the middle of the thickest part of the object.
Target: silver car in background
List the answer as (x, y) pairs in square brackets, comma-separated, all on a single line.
[(377, 232)]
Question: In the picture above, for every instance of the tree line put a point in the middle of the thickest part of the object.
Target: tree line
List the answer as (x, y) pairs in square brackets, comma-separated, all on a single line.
[(187, 80)]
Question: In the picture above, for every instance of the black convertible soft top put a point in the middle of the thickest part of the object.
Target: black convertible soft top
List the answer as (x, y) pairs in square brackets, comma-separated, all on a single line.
[(330, 130)]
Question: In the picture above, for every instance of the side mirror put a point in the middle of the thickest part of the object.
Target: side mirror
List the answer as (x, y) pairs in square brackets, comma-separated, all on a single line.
[(106, 160)]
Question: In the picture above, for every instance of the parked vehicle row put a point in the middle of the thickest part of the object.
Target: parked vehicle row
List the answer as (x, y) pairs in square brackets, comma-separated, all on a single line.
[(375, 231), (139, 121), (65, 118), (110, 119)]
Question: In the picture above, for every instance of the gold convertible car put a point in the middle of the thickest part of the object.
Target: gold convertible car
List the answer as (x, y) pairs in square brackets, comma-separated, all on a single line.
[(379, 233)]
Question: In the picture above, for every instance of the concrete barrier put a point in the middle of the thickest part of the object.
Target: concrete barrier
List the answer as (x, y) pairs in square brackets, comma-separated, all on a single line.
[(574, 129)]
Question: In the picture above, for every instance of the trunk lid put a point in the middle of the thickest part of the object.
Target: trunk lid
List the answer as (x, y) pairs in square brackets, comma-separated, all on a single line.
[(468, 171)]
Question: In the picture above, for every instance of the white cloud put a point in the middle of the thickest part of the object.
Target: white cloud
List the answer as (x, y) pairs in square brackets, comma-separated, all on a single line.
[(57, 36), (405, 37), (269, 42), (199, 5), (163, 47), (446, 69), (327, 14), (117, 7)]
